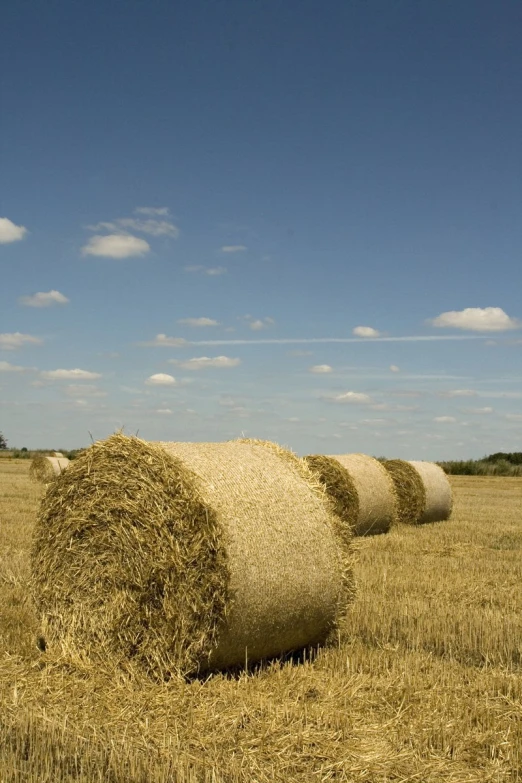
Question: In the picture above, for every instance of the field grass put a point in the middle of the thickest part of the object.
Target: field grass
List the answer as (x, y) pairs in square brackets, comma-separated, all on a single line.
[(424, 686)]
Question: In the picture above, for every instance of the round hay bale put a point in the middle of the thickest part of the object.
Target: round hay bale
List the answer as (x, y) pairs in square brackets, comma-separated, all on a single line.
[(57, 454), (186, 557), (375, 509), (439, 499), (46, 469), (338, 484), (411, 495)]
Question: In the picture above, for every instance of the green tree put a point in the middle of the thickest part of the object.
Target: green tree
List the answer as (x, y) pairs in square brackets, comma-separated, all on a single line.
[(3, 442)]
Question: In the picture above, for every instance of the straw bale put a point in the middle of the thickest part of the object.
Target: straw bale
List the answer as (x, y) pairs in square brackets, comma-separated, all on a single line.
[(338, 485), (439, 499), (186, 557), (57, 454), (411, 495), (46, 469), (376, 507)]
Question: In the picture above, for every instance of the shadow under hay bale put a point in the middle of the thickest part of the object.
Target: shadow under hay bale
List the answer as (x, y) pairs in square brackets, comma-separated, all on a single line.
[(411, 495), (187, 557), (439, 498), (46, 469), (361, 490)]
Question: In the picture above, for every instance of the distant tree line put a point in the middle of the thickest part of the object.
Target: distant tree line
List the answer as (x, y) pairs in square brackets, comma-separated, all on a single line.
[(498, 464)]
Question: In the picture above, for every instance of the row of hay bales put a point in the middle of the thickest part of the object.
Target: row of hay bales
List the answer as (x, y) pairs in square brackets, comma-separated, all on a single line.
[(190, 557)]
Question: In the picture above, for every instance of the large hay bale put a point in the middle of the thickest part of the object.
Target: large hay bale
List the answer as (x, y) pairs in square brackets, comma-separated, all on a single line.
[(57, 454), (46, 469), (439, 499), (411, 495), (361, 490), (187, 557)]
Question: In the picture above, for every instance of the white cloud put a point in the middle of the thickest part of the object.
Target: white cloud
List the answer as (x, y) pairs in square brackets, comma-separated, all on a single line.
[(357, 398), (459, 393), (75, 375), (6, 367), (84, 390), (445, 419), (160, 211), (166, 342), (199, 363), (164, 411), (257, 324), (394, 368), (44, 299), (198, 322), (477, 319), (161, 379), (13, 340), (215, 271), (514, 416), (116, 246), (233, 248), (10, 232), (478, 410), (320, 368), (366, 331), (156, 228)]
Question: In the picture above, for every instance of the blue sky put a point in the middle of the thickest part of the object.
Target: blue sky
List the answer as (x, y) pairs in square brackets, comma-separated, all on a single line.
[(297, 221)]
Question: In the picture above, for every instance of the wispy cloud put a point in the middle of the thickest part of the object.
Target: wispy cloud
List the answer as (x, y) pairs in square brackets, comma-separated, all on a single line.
[(458, 393), (320, 368), (12, 341), (116, 246), (351, 398), (76, 374), (10, 232), (44, 299), (84, 390), (477, 319), (164, 341), (394, 368), (7, 367), (211, 271), (161, 379), (160, 211), (514, 416), (445, 419), (478, 411), (366, 331), (201, 362), (341, 340), (198, 322), (164, 411), (233, 248)]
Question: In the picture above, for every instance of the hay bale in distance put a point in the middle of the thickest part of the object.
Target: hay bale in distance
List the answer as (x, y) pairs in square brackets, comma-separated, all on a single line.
[(362, 491), (439, 499), (46, 469), (411, 495), (57, 454), (186, 557)]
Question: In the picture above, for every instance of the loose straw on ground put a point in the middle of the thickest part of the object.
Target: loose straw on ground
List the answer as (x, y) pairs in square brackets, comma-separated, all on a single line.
[(187, 557), (361, 489), (411, 495), (439, 500), (46, 469)]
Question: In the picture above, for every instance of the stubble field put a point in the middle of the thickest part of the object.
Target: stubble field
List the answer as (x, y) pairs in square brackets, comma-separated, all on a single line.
[(425, 684)]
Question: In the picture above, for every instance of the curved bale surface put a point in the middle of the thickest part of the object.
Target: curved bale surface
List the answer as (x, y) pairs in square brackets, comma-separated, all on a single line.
[(409, 488), (361, 490), (439, 499), (46, 469), (339, 486), (186, 557)]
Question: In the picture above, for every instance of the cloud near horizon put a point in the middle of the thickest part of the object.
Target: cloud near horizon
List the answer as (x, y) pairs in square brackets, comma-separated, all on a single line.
[(161, 379), (75, 374), (13, 340), (197, 322), (477, 319), (320, 368), (199, 363), (164, 341), (351, 397), (233, 248)]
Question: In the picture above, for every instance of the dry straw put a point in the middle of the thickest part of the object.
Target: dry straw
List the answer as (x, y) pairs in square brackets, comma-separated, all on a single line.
[(439, 500), (46, 469), (411, 495), (186, 557), (361, 489)]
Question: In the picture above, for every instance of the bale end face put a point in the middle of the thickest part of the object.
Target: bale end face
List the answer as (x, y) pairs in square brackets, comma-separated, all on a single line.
[(411, 495)]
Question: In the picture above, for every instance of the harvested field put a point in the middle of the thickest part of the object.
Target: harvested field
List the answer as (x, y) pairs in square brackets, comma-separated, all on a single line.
[(424, 688)]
